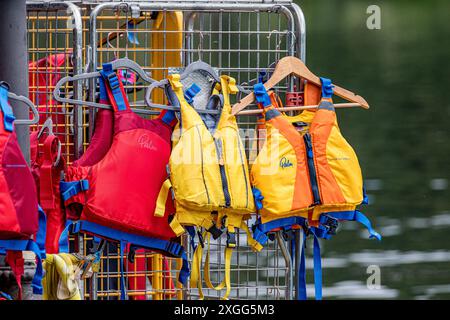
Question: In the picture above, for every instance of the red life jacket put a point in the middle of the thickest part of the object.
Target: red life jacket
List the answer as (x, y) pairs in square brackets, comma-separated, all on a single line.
[(113, 189), (19, 218), (47, 175)]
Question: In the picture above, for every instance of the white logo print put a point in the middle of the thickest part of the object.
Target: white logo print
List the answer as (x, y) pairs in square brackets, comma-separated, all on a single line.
[(145, 142)]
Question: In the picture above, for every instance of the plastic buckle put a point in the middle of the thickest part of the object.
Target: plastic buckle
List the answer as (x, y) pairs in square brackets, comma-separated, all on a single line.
[(84, 184), (191, 93), (288, 234), (231, 240), (294, 99), (200, 239), (215, 232), (5, 85), (331, 224), (113, 81), (170, 248), (131, 254)]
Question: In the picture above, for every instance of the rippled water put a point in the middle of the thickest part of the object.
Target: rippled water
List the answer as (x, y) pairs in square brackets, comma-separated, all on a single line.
[(402, 142)]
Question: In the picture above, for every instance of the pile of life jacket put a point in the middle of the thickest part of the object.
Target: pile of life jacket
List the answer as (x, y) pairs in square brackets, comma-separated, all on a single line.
[(141, 184)]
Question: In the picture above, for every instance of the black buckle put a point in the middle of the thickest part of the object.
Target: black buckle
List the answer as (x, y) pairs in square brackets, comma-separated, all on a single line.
[(288, 235), (5, 85), (231, 240), (131, 254), (200, 239), (331, 224), (215, 232)]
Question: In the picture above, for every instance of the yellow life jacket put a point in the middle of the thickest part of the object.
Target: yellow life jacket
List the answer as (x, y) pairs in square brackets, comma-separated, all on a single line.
[(208, 173), (312, 174)]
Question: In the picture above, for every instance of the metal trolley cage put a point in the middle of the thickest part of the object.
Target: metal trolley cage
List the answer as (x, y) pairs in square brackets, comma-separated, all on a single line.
[(239, 38)]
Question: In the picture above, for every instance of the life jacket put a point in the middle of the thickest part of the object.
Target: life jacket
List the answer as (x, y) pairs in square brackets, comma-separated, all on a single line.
[(208, 173), (20, 219), (166, 46), (306, 177), (47, 169), (113, 188)]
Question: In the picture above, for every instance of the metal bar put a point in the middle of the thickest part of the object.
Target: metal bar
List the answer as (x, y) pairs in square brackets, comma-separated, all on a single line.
[(14, 62)]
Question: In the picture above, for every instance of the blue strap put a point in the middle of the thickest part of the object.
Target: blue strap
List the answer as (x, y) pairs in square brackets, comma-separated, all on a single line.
[(123, 290), (171, 248), (191, 231), (260, 230), (72, 188), (64, 238), (317, 267), (257, 195), (327, 88), (281, 223), (365, 197), (358, 217), (301, 276), (261, 95), (260, 236), (8, 116), (191, 92), (5, 296), (27, 245), (113, 81), (103, 93), (41, 234), (168, 117)]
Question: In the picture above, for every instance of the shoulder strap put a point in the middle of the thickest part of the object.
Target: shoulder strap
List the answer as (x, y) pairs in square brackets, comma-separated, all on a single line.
[(50, 154), (114, 89), (8, 116), (263, 98), (189, 117)]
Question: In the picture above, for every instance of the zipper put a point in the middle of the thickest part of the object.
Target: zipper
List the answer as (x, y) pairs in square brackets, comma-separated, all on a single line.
[(312, 168), (223, 175), (203, 174)]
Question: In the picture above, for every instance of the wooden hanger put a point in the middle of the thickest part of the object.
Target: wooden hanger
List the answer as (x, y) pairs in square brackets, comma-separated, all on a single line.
[(294, 66)]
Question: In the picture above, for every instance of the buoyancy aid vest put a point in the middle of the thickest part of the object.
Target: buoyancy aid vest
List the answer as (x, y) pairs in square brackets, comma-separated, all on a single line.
[(118, 192), (47, 165), (20, 218), (208, 172), (306, 177), (306, 173)]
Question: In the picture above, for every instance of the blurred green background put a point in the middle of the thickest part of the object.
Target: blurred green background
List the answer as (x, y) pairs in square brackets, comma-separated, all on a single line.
[(403, 71)]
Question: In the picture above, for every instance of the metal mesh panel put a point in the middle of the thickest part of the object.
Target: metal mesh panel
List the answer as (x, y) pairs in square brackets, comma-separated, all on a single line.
[(54, 47)]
